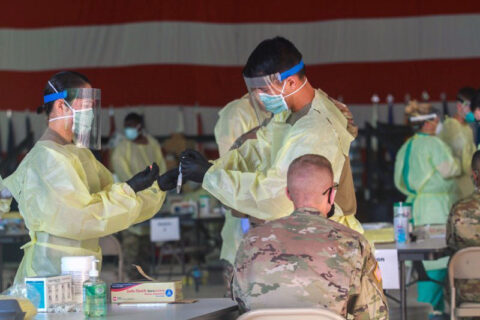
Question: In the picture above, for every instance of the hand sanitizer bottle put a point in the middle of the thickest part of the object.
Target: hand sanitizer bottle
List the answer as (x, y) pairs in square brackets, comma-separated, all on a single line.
[(94, 294)]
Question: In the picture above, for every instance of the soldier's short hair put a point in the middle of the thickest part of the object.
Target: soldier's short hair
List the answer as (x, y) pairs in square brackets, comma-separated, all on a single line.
[(308, 162), (476, 160)]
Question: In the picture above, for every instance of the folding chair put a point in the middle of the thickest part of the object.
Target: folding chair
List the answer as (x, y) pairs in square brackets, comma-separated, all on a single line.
[(111, 247), (464, 265), (291, 314)]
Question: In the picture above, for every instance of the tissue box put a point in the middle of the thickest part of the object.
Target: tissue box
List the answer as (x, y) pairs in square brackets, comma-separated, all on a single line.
[(52, 290), (146, 292)]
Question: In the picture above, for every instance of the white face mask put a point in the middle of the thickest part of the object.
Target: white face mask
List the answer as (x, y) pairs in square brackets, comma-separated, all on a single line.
[(439, 128)]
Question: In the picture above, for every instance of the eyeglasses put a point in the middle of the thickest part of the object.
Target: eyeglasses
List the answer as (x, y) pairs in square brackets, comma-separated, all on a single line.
[(329, 190)]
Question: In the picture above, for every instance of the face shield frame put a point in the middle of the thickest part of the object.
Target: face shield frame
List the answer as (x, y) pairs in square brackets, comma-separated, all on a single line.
[(270, 85), (85, 105)]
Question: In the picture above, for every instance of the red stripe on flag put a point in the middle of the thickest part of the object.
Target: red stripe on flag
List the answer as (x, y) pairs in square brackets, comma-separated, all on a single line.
[(38, 14), (215, 86)]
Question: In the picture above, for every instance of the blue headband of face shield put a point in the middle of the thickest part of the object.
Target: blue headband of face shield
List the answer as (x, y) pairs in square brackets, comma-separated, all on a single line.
[(263, 81), (55, 96), (290, 72)]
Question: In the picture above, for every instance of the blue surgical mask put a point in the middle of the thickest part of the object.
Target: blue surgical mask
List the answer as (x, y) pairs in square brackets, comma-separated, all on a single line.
[(275, 103), (131, 133), (470, 117)]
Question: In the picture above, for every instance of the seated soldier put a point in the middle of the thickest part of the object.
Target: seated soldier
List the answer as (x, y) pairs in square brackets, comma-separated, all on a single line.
[(306, 260), (463, 230)]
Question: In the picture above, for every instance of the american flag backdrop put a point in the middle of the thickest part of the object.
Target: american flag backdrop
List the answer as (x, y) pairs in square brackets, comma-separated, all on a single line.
[(158, 56)]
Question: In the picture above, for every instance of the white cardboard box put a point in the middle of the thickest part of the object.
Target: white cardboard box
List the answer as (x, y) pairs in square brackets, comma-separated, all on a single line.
[(52, 290)]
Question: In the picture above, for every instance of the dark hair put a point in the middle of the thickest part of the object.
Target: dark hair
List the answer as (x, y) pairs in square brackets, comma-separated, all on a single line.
[(133, 116), (271, 56), (476, 161), (465, 94), (475, 102), (61, 81)]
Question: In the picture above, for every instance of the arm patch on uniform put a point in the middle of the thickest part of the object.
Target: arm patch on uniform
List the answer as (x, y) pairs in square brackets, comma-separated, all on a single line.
[(377, 273)]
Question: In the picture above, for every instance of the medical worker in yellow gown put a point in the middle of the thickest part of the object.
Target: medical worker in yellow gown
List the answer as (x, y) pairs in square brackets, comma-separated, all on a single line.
[(235, 119), (133, 153), (425, 171), (458, 135), (137, 150), (252, 178), (68, 198)]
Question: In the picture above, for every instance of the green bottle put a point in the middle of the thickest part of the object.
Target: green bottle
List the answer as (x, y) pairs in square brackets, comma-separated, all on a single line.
[(94, 294)]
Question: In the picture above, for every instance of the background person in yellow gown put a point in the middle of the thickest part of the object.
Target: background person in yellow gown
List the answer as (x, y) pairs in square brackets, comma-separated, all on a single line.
[(134, 152), (66, 197), (235, 119), (457, 133), (425, 169), (137, 150)]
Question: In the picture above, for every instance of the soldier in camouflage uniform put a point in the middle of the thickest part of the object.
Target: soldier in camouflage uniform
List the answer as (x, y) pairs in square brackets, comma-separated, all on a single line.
[(306, 260), (463, 231)]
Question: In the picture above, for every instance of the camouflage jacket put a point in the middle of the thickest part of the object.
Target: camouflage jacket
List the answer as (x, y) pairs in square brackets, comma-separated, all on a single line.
[(306, 260), (463, 231), (463, 226)]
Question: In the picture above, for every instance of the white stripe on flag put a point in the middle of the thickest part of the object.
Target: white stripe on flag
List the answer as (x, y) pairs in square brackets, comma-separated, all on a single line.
[(337, 41)]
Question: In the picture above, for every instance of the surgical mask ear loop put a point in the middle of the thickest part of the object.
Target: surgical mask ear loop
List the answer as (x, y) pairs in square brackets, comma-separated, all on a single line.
[(56, 91), (68, 105)]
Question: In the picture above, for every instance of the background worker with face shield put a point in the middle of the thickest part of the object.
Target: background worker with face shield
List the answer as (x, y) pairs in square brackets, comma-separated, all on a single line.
[(458, 135), (424, 172), (131, 155), (252, 178), (66, 197), (235, 119)]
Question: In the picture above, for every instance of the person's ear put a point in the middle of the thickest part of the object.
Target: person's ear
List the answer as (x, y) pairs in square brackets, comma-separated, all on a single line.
[(59, 107), (459, 107), (331, 198), (288, 194), (292, 83)]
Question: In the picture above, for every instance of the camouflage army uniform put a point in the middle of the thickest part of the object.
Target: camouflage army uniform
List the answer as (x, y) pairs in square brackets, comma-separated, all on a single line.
[(306, 260), (463, 231)]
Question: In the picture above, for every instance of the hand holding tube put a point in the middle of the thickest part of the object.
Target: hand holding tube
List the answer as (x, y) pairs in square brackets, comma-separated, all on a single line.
[(194, 165)]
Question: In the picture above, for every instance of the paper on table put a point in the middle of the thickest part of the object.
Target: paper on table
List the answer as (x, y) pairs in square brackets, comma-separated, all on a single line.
[(384, 235), (388, 262)]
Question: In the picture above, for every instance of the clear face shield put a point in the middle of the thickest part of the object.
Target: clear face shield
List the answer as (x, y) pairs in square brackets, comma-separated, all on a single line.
[(418, 121), (85, 107), (267, 92)]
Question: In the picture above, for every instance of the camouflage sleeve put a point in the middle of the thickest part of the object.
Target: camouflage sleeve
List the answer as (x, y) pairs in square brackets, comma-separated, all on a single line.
[(238, 287), (451, 229), (371, 303)]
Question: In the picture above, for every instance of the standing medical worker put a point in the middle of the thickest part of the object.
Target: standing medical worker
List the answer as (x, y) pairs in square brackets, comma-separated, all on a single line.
[(424, 172), (252, 178), (236, 118), (458, 135), (68, 198), (130, 156)]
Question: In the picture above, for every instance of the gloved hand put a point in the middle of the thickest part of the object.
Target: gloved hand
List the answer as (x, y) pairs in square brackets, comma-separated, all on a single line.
[(144, 179), (168, 180), (194, 165)]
